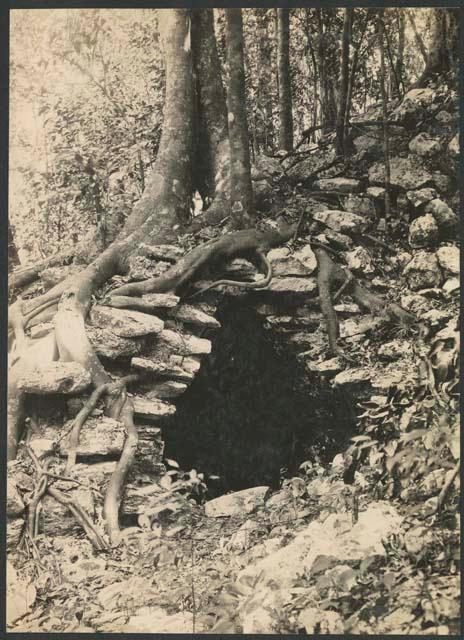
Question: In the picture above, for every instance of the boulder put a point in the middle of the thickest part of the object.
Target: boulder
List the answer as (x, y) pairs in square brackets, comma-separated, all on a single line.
[(451, 286), (443, 214), (57, 518), (285, 263), (109, 345), (453, 147), (448, 259), (56, 377), (237, 504), (413, 105), (266, 167), (359, 260), (441, 182), (424, 146), (368, 144), (14, 532), (415, 303), (359, 204), (377, 193), (444, 117), (340, 221), (327, 367), (405, 173), (125, 323), (340, 185), (423, 231), (423, 271), (421, 196)]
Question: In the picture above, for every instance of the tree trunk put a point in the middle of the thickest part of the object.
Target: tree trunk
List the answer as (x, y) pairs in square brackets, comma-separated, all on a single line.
[(213, 153), (283, 74), (417, 36), (344, 78), (400, 57), (386, 141), (265, 125), (240, 170), (327, 93), (443, 51)]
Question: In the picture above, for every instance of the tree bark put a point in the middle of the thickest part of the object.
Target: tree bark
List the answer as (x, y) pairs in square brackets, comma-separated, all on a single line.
[(344, 79), (385, 118), (283, 74), (417, 36), (265, 124), (240, 169), (401, 38), (443, 51), (213, 153), (327, 93)]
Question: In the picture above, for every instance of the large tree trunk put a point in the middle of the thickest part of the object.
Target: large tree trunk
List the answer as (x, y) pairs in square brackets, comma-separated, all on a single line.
[(327, 92), (283, 74), (344, 78), (240, 170), (213, 153), (443, 51)]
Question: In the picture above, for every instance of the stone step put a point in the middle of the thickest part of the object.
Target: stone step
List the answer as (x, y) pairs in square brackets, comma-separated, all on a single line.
[(152, 409), (125, 323)]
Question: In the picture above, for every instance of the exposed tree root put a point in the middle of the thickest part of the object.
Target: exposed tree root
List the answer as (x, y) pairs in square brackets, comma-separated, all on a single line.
[(259, 284), (329, 273), (21, 277), (443, 495), (77, 511), (249, 241)]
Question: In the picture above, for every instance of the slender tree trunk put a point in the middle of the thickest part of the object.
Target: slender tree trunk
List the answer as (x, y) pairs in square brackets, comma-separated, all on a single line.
[(344, 80), (400, 56), (327, 93), (240, 170), (353, 71), (380, 28), (417, 36), (266, 127), (283, 74)]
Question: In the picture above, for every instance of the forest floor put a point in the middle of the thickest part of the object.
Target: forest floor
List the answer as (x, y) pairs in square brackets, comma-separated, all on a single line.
[(367, 543)]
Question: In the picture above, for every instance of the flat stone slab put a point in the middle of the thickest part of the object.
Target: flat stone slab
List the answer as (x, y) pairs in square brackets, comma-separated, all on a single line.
[(161, 300), (191, 314), (101, 436), (327, 367), (342, 185), (340, 221), (109, 345), (238, 503), (292, 285), (178, 368), (125, 323), (165, 390), (352, 376), (405, 173), (183, 344), (56, 377), (152, 409)]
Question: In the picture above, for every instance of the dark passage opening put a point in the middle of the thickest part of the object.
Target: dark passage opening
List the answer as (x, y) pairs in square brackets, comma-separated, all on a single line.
[(252, 414)]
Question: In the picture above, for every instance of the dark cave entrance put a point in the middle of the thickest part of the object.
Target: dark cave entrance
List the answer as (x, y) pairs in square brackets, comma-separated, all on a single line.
[(252, 414)]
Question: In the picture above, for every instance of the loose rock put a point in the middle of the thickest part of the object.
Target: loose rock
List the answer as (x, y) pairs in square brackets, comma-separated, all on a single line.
[(423, 231), (56, 377), (448, 259), (423, 271), (124, 322), (340, 221), (443, 214), (238, 503)]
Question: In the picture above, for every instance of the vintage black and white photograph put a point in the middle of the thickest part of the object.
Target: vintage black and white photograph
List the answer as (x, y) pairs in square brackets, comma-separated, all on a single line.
[(233, 321)]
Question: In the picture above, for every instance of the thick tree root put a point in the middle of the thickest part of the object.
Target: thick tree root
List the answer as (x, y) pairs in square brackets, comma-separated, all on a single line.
[(329, 273), (230, 245), (259, 284)]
